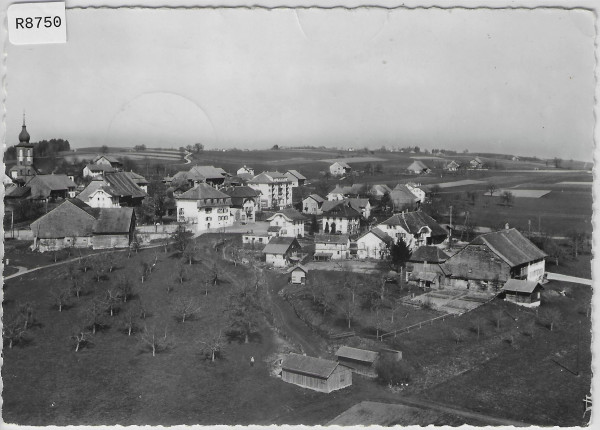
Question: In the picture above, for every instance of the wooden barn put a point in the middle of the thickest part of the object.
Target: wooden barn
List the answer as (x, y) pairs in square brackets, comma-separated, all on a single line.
[(361, 361), (521, 292), (315, 373), (114, 228), (298, 274)]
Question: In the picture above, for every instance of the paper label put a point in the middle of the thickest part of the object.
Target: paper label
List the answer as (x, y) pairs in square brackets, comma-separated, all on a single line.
[(37, 23)]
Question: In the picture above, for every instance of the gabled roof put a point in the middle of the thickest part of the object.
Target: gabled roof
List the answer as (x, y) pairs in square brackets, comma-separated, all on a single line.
[(108, 158), (240, 195), (417, 166), (402, 194), (280, 245), (203, 173), (380, 188), (312, 366), (268, 178), (122, 185), (138, 179), (520, 286), (113, 220), (289, 214), (15, 192), (341, 210), (297, 174), (356, 354), (298, 267), (317, 198), (42, 185), (100, 168), (342, 164), (476, 262), (341, 239), (413, 222), (428, 253), (66, 220), (347, 189), (381, 235), (511, 246), (202, 192)]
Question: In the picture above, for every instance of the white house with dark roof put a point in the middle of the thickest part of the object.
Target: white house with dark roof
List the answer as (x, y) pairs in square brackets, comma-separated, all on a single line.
[(341, 218), (113, 190), (281, 251), (339, 168), (417, 191), (451, 166), (418, 167), (298, 274), (331, 246), (275, 189), (312, 204), (96, 170), (415, 228), (107, 160), (374, 244), (288, 222), (244, 203), (205, 207), (245, 170), (297, 178)]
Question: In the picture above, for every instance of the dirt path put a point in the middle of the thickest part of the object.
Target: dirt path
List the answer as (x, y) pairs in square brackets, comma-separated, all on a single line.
[(567, 278)]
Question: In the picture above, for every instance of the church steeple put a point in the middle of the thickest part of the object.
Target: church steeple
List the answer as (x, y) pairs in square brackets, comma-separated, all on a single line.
[(24, 135)]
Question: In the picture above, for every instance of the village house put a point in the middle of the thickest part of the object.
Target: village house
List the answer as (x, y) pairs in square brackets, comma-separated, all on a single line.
[(315, 373), (494, 258), (50, 187), (361, 361), (106, 160), (426, 259), (96, 170), (113, 190), (362, 206), (205, 207), (417, 191), (296, 178), (476, 163), (379, 190), (252, 238), (74, 224), (339, 168), (213, 176), (522, 292), (281, 251), (287, 222), (331, 247), (403, 199), (275, 189), (139, 180), (418, 167), (414, 228), (374, 244), (312, 204), (341, 218), (244, 203), (245, 170), (341, 192), (298, 274), (451, 166)]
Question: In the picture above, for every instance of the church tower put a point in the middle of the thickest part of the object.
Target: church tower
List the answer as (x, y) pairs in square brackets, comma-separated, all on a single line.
[(24, 148)]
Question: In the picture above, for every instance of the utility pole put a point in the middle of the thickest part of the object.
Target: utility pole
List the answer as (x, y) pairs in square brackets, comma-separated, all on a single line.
[(450, 239)]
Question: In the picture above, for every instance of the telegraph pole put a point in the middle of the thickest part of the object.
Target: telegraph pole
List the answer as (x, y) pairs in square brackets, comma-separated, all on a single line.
[(450, 241)]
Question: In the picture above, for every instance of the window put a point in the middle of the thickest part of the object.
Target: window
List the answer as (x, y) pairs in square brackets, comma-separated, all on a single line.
[(180, 211)]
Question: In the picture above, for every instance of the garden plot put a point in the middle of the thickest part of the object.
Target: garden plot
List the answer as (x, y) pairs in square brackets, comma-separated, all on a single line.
[(532, 194), (451, 301)]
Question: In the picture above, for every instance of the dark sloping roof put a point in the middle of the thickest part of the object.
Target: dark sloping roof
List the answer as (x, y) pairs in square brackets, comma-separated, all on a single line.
[(203, 191), (383, 236), (520, 286), (428, 253), (356, 354), (280, 245), (297, 174), (137, 178), (331, 238), (113, 220), (412, 222), (17, 192), (92, 187), (108, 158), (511, 246), (239, 195), (418, 166), (289, 213), (203, 173), (317, 198), (342, 210), (268, 178), (402, 195), (298, 267), (476, 262), (69, 219), (122, 185), (312, 366), (42, 185), (100, 168)]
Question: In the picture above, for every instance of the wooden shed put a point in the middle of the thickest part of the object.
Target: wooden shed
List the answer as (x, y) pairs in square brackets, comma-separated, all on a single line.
[(315, 373), (522, 292), (298, 274), (361, 361)]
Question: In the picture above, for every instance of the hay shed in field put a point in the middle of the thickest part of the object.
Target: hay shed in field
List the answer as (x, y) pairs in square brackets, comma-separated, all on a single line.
[(361, 361), (316, 374)]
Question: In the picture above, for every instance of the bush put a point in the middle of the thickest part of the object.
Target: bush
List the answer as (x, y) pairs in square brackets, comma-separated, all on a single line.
[(393, 372)]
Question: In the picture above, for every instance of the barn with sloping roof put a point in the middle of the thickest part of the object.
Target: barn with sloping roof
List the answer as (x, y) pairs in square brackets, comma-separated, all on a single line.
[(314, 373), (361, 361), (524, 293), (113, 228)]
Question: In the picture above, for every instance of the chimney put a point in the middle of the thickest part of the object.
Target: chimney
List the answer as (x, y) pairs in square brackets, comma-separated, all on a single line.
[(506, 226)]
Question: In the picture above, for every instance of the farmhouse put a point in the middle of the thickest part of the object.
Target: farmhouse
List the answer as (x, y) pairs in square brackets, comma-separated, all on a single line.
[(379, 190), (106, 160), (403, 198), (341, 192), (374, 244), (361, 361), (245, 170), (214, 176), (204, 206), (95, 170), (476, 163), (416, 189), (331, 246), (426, 258), (315, 373), (113, 190), (275, 188), (362, 206), (280, 251), (415, 228), (523, 293), (451, 166), (493, 259), (139, 180), (244, 203), (418, 167), (288, 222), (51, 187), (76, 224), (341, 218), (298, 274), (312, 204), (339, 168), (296, 178)]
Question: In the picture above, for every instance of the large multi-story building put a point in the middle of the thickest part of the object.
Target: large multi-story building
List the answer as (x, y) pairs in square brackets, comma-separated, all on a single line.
[(205, 207), (275, 188)]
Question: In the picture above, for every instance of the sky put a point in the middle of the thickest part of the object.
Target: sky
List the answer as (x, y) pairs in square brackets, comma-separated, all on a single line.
[(509, 81)]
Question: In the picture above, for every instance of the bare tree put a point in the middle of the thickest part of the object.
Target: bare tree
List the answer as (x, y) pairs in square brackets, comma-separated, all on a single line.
[(13, 330), (80, 338), (124, 287), (93, 314), (144, 270), (61, 294), (492, 188), (213, 344), (215, 273), (180, 238), (128, 322), (349, 309), (458, 334), (112, 298), (189, 252), (244, 307), (154, 340), (477, 324), (498, 316), (109, 261), (551, 317), (182, 272), (186, 308), (78, 284), (27, 314), (141, 310)]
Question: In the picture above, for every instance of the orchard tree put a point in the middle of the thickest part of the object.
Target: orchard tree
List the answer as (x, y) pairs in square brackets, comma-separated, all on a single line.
[(124, 287), (477, 324), (80, 338), (182, 272), (186, 308), (213, 344), (13, 330), (507, 197), (27, 314), (61, 295), (244, 308), (349, 309), (93, 314), (180, 238), (492, 188), (128, 322), (154, 340), (190, 252), (551, 317), (112, 298)]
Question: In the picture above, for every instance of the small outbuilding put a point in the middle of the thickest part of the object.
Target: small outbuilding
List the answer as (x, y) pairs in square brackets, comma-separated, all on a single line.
[(522, 292), (361, 361), (314, 373), (298, 274)]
